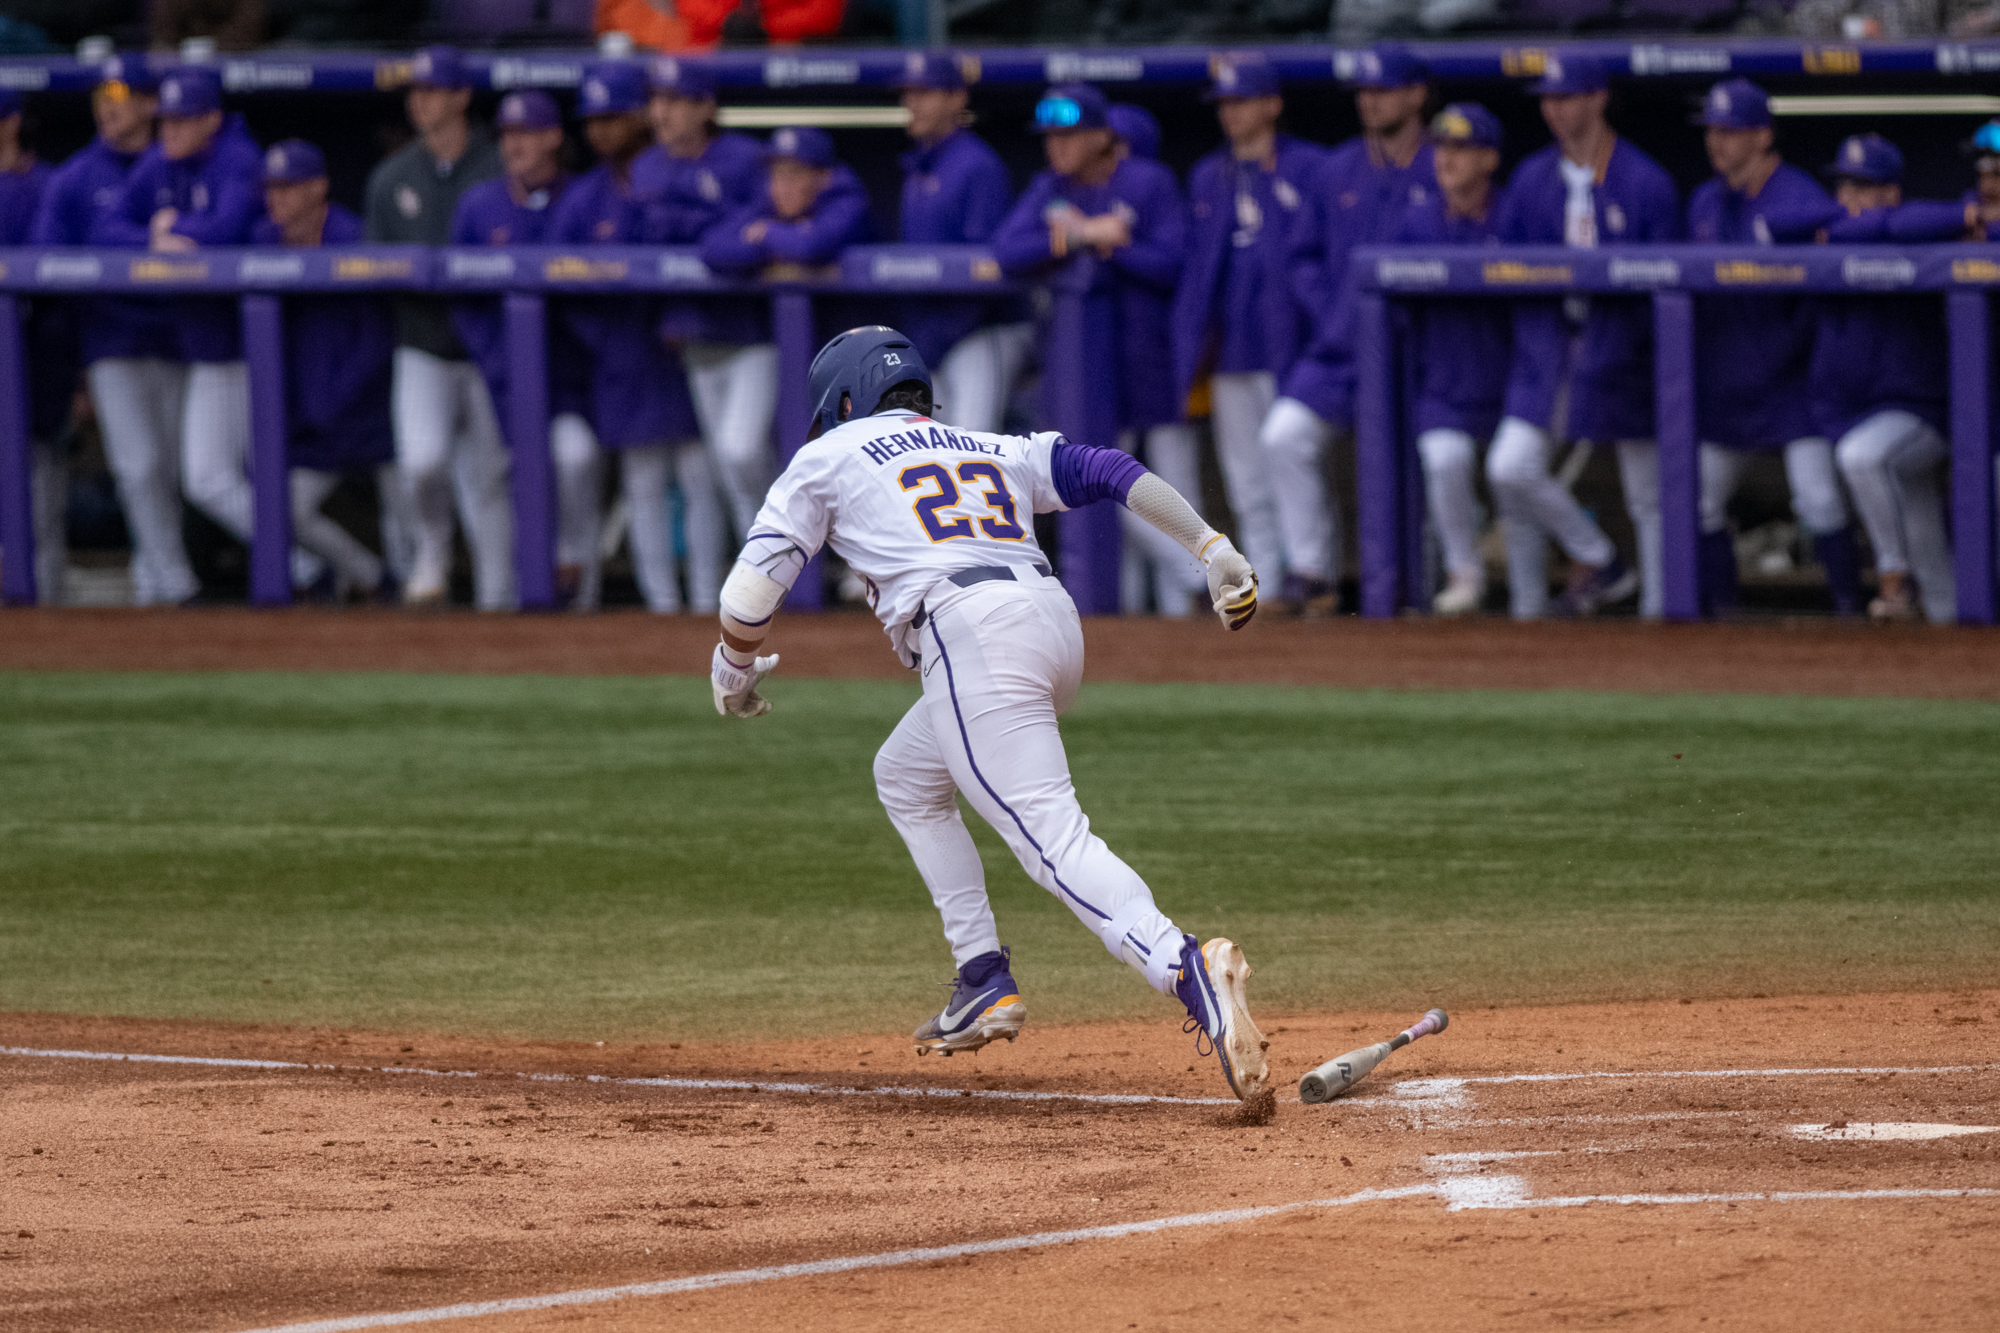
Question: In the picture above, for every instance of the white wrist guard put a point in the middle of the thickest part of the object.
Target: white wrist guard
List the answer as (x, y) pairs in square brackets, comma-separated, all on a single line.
[(735, 687)]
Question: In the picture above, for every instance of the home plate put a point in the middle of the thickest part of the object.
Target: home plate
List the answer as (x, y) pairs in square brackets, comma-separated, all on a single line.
[(1892, 1130)]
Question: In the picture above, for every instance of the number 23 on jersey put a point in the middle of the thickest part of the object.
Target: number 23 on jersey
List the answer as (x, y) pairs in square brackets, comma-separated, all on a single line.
[(940, 493)]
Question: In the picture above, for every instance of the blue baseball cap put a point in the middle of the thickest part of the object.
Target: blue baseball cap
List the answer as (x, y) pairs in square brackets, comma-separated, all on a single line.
[(439, 67), (1383, 65), (612, 88), (1736, 104), (1242, 74), (10, 103), (1867, 157), (1985, 141), (1136, 126), (130, 71), (1466, 124), (190, 90), (528, 109), (292, 161), (1571, 76), (1071, 106), (943, 71), (692, 79), (802, 143)]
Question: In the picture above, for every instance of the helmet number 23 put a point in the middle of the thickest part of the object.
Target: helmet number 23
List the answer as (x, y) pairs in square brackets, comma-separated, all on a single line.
[(1001, 525)]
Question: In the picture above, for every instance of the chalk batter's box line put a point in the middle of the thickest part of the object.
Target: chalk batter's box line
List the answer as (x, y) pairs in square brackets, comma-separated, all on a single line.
[(688, 1084)]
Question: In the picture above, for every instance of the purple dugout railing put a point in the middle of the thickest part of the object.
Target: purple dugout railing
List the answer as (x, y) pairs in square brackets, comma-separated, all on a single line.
[(1390, 503), (525, 278)]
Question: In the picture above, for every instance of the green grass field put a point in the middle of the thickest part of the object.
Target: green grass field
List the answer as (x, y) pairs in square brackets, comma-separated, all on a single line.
[(606, 858)]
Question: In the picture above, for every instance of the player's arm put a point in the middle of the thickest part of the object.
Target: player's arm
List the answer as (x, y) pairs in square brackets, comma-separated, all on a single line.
[(1084, 474), (763, 574)]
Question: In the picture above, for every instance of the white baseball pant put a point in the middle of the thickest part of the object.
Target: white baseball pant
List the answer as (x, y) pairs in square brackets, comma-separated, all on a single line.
[(139, 405), (1809, 467), (215, 447), (1449, 457), (1534, 507), (579, 505), (735, 397), (1891, 462), (1238, 405), (1000, 661), (649, 473), (48, 505), (976, 377), (357, 567), (1295, 440), (448, 440), (1152, 561)]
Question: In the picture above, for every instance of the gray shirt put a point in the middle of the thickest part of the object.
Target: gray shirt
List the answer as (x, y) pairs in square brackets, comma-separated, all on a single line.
[(411, 199)]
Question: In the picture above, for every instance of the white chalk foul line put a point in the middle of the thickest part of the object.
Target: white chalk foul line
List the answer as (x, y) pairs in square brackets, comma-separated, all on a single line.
[(692, 1084), (1504, 1192)]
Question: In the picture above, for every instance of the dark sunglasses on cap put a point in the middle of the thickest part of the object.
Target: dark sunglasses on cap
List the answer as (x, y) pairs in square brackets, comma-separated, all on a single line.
[(1058, 113)]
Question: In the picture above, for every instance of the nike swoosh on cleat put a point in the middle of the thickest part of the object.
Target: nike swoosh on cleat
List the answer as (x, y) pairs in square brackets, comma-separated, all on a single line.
[(948, 1019)]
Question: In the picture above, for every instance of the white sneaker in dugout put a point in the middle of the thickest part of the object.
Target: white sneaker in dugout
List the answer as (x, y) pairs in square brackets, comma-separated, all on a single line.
[(1461, 595)]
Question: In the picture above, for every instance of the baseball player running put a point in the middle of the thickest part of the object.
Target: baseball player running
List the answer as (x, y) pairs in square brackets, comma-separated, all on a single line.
[(937, 520)]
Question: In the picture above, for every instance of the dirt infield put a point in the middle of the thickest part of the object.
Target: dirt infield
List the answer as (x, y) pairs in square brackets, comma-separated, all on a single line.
[(1654, 1174), (1768, 657)]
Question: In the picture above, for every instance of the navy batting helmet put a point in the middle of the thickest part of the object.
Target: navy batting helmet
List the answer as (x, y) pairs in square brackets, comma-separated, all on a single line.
[(860, 365)]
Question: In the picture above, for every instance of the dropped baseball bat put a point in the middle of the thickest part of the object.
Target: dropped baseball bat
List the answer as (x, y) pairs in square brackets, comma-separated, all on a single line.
[(1337, 1076)]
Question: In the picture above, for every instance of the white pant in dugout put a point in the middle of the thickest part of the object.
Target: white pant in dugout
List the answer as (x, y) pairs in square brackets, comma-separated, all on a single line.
[(735, 397), (140, 402), (649, 474), (215, 440), (1153, 563), (1238, 405), (1449, 458), (1000, 661), (1295, 440), (974, 380), (448, 440), (1891, 463), (1534, 507)]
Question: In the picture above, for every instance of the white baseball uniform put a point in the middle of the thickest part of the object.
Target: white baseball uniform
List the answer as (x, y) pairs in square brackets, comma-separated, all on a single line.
[(139, 405), (939, 523), (447, 439), (735, 388)]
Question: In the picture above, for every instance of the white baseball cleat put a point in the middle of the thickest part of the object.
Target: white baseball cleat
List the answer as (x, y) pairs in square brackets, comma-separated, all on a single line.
[(1211, 985), (1461, 595)]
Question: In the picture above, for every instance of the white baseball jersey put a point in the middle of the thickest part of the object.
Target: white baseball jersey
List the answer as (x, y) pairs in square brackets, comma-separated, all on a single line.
[(907, 501)]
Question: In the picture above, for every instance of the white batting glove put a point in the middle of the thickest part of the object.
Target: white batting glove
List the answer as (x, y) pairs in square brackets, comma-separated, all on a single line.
[(736, 687), (1232, 584)]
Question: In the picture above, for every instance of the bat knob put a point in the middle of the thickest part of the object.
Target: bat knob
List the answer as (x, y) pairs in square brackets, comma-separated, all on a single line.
[(1313, 1090)]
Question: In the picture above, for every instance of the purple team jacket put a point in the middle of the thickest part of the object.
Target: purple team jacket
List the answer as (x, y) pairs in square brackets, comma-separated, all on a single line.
[(51, 328), (839, 218), (1751, 352), (338, 353), (219, 194), (1459, 350), (1235, 309), (684, 197), (1884, 352), (1611, 382), (1134, 289), (955, 192), (93, 179)]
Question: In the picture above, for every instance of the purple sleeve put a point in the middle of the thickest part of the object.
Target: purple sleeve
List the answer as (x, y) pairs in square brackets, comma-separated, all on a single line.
[(1927, 220), (1084, 474)]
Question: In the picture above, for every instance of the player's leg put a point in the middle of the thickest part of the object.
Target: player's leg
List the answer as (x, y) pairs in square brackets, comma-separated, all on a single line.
[(1238, 405), (1532, 503), (424, 406), (1639, 478), (479, 469), (1721, 473), (647, 472), (399, 533), (579, 508), (48, 492), (139, 409), (215, 446), (1151, 556), (1001, 660), (1448, 458), (1890, 461), (357, 567), (1295, 439), (1822, 511), (735, 395), (975, 377), (704, 531)]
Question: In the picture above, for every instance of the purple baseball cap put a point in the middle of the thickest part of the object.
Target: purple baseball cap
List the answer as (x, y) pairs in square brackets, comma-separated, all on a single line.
[(131, 71), (1466, 124), (942, 71), (692, 79), (1383, 65), (1136, 126), (1736, 104), (1867, 157), (1071, 106), (528, 109), (1242, 74), (439, 67), (802, 143), (292, 161), (612, 88), (190, 90), (1571, 76)]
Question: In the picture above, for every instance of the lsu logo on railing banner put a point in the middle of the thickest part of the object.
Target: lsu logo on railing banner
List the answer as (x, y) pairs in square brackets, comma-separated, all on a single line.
[(1524, 62), (362, 268), (1749, 273), (575, 268), (1508, 273), (1831, 59), (1412, 272), (1975, 271), (1857, 271), (165, 270)]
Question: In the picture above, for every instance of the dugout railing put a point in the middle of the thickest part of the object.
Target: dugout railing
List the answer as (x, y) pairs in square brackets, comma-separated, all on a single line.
[(1077, 358), (1389, 481)]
